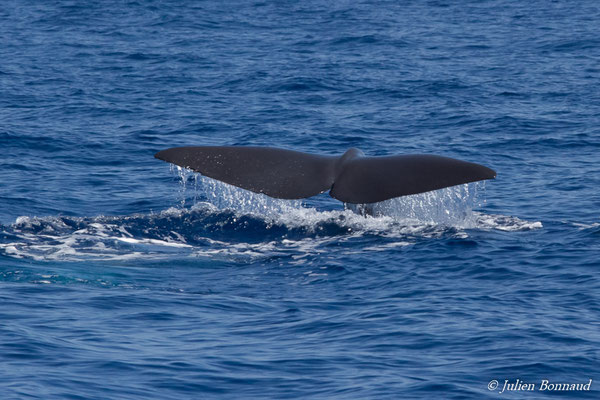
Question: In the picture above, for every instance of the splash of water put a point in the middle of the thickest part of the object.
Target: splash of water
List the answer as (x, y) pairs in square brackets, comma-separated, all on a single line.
[(225, 221), (228, 197), (451, 206)]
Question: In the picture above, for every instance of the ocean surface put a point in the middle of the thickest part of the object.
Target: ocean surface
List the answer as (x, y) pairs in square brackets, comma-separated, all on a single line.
[(122, 277)]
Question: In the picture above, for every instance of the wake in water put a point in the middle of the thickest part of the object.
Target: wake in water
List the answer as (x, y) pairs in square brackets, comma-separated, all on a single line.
[(224, 221)]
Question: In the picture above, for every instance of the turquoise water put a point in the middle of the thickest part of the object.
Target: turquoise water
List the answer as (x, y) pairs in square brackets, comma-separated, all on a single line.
[(123, 277)]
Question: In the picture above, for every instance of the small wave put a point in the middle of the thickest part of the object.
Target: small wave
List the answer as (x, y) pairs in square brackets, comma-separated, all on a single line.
[(591, 228), (566, 46), (301, 84), (364, 39), (582, 226)]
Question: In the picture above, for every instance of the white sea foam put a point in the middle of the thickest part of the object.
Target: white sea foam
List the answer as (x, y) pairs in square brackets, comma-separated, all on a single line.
[(504, 223), (586, 226), (228, 211)]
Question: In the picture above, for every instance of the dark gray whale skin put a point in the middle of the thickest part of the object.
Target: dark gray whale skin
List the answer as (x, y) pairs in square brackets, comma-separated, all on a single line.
[(351, 178)]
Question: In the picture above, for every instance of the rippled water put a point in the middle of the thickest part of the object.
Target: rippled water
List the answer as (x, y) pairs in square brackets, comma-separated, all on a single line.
[(122, 277)]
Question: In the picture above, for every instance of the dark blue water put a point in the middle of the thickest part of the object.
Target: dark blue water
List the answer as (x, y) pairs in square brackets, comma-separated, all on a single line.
[(123, 278)]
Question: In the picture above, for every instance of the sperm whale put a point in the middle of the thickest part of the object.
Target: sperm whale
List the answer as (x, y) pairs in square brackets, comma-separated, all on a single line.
[(352, 177)]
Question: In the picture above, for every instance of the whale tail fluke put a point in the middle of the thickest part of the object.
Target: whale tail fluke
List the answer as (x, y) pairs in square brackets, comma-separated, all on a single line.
[(374, 179), (284, 174), (352, 178)]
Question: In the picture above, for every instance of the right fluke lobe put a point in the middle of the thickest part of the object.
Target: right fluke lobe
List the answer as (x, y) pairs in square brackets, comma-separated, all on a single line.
[(374, 179)]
